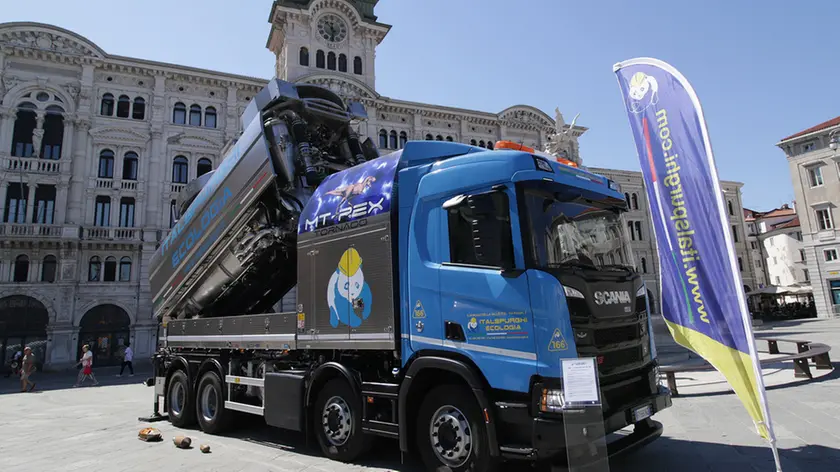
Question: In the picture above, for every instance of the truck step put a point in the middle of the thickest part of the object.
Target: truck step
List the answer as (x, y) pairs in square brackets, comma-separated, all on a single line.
[(245, 408), (381, 428), (382, 390), (235, 379)]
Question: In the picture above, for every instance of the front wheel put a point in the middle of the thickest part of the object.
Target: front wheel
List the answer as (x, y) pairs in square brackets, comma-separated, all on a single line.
[(337, 421), (451, 432)]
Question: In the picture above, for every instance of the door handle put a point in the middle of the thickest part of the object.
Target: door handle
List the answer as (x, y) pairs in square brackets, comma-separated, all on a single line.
[(454, 331)]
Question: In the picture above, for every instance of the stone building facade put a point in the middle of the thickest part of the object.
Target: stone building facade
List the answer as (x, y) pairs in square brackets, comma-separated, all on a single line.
[(94, 149), (814, 162)]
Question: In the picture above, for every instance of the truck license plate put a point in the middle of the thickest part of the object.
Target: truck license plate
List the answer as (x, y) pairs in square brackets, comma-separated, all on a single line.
[(641, 413)]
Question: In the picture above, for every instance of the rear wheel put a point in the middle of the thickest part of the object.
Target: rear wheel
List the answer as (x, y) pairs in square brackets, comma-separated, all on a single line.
[(337, 422), (213, 418), (179, 400), (451, 432)]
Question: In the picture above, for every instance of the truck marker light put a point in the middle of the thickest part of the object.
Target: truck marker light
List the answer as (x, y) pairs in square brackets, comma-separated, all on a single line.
[(486, 416), (370, 399)]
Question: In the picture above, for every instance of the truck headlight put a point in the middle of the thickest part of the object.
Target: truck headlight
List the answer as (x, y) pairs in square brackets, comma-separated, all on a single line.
[(641, 291), (551, 400), (572, 292)]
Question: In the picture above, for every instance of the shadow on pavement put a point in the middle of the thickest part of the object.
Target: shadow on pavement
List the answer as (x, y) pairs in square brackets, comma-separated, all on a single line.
[(668, 455), (49, 381), (781, 368)]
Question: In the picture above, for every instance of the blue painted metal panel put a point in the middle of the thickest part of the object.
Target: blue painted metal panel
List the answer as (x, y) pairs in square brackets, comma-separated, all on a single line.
[(553, 334)]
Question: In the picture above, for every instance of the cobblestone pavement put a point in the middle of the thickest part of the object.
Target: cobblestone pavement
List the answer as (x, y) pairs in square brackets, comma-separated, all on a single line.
[(95, 428)]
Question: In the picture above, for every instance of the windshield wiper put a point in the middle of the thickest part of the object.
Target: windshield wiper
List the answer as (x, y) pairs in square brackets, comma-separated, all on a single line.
[(575, 264), (622, 268)]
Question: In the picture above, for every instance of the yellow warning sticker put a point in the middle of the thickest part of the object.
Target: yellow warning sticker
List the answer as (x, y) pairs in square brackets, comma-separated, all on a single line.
[(557, 342), (419, 312)]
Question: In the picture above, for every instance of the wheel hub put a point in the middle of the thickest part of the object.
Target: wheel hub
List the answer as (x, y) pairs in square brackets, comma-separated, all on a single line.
[(209, 403), (451, 436), (176, 398), (337, 421)]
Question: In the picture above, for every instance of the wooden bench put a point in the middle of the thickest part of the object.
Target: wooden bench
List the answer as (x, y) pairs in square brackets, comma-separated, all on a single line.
[(801, 368)]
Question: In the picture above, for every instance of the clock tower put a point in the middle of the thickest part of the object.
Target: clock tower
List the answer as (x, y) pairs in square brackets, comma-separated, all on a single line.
[(325, 38)]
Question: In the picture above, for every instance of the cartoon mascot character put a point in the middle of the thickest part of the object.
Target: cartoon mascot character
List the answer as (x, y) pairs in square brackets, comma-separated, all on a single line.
[(348, 295), (644, 92)]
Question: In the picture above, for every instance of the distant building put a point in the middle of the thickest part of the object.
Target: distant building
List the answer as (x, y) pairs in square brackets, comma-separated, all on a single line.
[(814, 164), (756, 253), (780, 236)]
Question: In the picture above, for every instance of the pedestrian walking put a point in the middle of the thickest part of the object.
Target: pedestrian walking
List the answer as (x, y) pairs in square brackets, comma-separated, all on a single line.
[(87, 367), (26, 370), (128, 356), (14, 367)]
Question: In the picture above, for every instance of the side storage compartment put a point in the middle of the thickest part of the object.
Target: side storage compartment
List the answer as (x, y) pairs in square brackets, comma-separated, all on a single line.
[(283, 400)]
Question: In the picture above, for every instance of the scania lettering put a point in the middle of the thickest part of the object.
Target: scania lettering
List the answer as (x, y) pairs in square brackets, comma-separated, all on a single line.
[(611, 298), (437, 290)]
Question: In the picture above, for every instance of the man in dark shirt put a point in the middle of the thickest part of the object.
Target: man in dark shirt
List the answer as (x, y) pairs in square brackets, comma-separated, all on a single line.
[(26, 370)]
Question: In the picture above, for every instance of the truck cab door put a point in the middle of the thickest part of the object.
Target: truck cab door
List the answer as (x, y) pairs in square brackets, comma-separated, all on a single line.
[(484, 295)]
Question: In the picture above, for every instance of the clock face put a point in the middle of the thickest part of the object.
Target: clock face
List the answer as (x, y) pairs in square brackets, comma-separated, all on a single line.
[(332, 28)]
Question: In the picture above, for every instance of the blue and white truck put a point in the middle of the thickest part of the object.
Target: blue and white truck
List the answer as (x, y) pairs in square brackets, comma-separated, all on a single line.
[(439, 287)]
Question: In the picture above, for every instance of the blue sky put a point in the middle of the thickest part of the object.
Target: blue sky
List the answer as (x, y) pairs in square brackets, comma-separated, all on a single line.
[(763, 70)]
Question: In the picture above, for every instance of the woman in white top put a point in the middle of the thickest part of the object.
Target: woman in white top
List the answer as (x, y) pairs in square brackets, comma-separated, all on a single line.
[(87, 367)]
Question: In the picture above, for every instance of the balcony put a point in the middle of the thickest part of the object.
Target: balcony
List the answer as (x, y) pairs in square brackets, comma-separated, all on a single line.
[(15, 230), (106, 183), (100, 233), (176, 188), (128, 185), (31, 165)]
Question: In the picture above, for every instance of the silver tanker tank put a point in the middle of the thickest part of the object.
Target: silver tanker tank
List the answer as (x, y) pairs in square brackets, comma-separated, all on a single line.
[(233, 247)]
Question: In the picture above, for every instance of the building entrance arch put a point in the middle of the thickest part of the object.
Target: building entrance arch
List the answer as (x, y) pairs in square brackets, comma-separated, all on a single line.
[(106, 329), (23, 322)]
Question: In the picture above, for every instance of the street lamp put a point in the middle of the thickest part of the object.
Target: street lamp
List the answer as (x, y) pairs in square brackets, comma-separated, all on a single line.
[(834, 140)]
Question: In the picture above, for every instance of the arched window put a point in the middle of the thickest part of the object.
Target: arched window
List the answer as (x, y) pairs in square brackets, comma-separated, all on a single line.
[(303, 57), (319, 59), (94, 269), (627, 199), (635, 201), (107, 106), (126, 212), (481, 143), (473, 142), (179, 114), (110, 272), (20, 271), (106, 164), (204, 166), (331, 60), (210, 117), (180, 170), (195, 115), (48, 269), (393, 141), (490, 145), (429, 137), (123, 106), (731, 210), (138, 112), (342, 63), (383, 139), (357, 65), (449, 138), (125, 269), (102, 211), (53, 133), (130, 164), (403, 139), (740, 264), (22, 135), (438, 138), (638, 226), (644, 265)]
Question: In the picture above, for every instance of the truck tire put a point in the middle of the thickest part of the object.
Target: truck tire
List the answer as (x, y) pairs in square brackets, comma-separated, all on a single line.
[(179, 400), (337, 422), (451, 433), (210, 410)]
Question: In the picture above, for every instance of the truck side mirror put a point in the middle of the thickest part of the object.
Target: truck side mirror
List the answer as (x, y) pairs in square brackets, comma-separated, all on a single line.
[(491, 229)]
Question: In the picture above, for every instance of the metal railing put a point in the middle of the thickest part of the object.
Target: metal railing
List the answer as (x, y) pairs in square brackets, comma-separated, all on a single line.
[(102, 233), (31, 164), (31, 230)]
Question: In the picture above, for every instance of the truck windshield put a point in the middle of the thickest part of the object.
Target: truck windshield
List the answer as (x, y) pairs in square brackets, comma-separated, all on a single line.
[(571, 227)]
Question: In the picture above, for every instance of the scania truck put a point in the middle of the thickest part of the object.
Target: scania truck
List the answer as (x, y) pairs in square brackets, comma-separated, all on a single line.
[(439, 287)]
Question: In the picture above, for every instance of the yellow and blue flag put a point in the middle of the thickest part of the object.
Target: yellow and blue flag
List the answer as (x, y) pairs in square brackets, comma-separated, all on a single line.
[(701, 289)]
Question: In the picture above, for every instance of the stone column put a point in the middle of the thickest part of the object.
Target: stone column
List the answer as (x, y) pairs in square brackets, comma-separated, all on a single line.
[(61, 203), (78, 174), (154, 181), (67, 142), (3, 190), (7, 125), (30, 202)]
